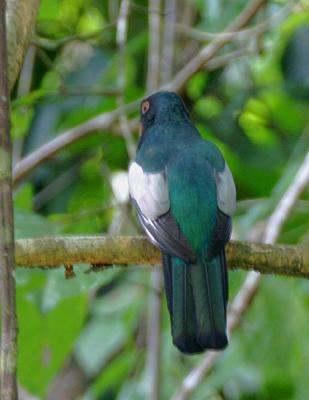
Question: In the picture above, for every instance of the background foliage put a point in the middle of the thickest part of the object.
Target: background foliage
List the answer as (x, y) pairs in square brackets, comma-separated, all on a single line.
[(254, 106)]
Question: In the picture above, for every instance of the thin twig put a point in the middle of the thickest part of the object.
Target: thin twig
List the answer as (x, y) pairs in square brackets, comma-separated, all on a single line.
[(23, 88), (154, 323), (224, 59), (272, 232), (82, 91), (8, 352), (20, 19), (167, 61), (57, 185), (49, 149), (287, 202), (121, 39), (242, 34), (154, 21), (53, 44), (249, 289)]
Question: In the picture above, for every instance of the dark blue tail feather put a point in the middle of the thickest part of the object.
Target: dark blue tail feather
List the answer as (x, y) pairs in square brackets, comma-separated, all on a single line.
[(197, 297)]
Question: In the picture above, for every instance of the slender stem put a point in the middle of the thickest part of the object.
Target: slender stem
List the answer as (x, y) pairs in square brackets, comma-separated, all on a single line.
[(167, 61), (8, 387), (242, 34), (21, 19), (49, 149), (23, 88), (121, 39), (154, 336), (53, 44), (287, 202), (154, 21), (224, 59)]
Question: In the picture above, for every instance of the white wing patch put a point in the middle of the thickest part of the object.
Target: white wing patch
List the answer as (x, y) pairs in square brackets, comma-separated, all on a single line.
[(226, 191), (149, 190)]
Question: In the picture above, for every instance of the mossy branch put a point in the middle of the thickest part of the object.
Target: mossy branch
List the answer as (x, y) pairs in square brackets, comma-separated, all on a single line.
[(53, 252), (21, 18)]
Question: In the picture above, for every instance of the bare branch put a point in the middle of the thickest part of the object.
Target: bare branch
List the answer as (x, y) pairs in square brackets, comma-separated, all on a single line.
[(154, 323), (272, 231), (121, 40), (21, 18), (8, 386), (287, 202), (53, 44), (222, 60), (23, 88), (52, 252), (49, 149), (168, 41), (242, 34), (154, 21)]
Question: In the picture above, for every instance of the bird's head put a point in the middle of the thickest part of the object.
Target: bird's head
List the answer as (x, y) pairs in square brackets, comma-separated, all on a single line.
[(161, 107)]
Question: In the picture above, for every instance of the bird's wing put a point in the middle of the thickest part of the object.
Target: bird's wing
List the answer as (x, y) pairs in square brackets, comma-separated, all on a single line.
[(226, 191), (226, 201), (150, 195), (149, 190), (221, 235)]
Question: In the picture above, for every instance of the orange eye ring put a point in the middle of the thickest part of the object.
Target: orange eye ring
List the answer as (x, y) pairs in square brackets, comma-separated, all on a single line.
[(145, 106)]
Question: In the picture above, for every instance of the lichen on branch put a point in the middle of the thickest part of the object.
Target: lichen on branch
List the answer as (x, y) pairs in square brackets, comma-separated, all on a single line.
[(20, 20), (53, 252)]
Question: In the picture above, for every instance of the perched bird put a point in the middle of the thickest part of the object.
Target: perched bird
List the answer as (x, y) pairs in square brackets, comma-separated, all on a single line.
[(184, 195)]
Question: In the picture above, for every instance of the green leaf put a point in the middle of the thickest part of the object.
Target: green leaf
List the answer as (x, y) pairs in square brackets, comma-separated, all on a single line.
[(20, 122), (97, 341), (45, 339), (196, 85), (23, 198), (57, 288), (208, 107), (90, 192)]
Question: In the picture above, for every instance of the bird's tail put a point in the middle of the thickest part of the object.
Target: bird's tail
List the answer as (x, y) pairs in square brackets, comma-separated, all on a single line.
[(197, 297)]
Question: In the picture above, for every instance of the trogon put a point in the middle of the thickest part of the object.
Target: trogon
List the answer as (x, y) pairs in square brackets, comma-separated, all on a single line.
[(184, 194)]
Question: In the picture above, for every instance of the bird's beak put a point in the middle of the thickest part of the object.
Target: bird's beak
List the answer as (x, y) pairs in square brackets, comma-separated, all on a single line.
[(140, 129)]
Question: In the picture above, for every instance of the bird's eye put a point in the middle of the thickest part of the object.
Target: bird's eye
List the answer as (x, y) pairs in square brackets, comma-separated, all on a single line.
[(145, 106)]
